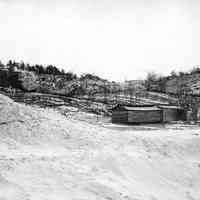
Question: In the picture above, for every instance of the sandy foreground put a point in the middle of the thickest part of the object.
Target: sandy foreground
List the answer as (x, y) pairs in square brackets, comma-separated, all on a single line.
[(46, 156)]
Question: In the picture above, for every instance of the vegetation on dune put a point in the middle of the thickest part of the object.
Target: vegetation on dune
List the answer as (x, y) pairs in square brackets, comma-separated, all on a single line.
[(174, 82), (50, 77), (40, 78), (185, 86), (52, 80)]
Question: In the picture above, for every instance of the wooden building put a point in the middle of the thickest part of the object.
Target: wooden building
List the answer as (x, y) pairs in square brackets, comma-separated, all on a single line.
[(147, 114), (136, 114), (172, 113)]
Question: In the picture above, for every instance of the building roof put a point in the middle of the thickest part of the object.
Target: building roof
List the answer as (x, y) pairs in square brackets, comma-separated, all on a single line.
[(137, 108), (169, 107), (141, 108), (145, 107)]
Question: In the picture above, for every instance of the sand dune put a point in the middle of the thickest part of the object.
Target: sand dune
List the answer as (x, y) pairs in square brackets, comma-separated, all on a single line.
[(44, 155)]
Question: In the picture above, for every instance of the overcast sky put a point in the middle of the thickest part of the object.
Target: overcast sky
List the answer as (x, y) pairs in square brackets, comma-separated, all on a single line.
[(116, 39)]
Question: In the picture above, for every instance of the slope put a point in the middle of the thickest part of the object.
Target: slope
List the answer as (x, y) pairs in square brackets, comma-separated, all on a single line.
[(44, 155)]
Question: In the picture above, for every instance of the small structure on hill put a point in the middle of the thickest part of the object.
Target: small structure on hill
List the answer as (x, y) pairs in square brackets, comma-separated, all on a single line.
[(19, 79), (4, 80), (147, 114)]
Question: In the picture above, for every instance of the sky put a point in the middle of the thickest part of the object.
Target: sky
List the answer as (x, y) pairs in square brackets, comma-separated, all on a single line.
[(116, 39)]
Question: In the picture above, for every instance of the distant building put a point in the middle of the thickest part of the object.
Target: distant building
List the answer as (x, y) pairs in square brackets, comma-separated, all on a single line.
[(147, 114), (20, 79), (4, 82), (144, 114)]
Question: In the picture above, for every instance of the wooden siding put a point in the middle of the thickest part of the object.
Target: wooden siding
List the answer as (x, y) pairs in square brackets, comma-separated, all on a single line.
[(173, 115), (145, 116), (170, 115), (120, 117)]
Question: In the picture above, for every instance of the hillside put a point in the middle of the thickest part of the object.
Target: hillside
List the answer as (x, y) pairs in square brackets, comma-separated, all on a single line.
[(44, 155), (20, 82), (98, 103), (191, 81), (88, 93), (176, 83)]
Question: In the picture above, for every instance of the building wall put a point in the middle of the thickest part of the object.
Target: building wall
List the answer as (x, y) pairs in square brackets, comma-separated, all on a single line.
[(14, 80), (148, 116), (144, 116), (170, 115), (4, 81), (119, 116)]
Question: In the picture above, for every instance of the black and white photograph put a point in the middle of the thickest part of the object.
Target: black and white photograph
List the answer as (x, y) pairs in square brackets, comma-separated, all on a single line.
[(99, 100)]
